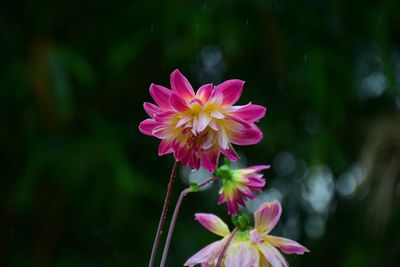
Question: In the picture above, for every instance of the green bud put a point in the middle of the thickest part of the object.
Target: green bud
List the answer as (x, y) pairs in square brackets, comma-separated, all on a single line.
[(242, 221), (194, 187), (224, 172)]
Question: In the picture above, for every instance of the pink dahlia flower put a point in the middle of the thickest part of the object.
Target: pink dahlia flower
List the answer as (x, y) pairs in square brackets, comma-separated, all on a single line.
[(249, 247), (239, 184), (197, 127)]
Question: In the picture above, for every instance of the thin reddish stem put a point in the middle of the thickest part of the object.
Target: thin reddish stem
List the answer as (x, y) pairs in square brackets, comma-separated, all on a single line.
[(175, 217), (163, 214), (172, 226), (209, 180), (221, 256)]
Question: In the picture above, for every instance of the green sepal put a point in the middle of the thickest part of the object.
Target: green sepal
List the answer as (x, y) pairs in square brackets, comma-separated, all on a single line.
[(242, 221), (224, 172), (194, 187)]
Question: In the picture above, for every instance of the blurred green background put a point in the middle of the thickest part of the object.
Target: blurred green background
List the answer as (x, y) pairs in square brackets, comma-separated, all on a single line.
[(80, 186)]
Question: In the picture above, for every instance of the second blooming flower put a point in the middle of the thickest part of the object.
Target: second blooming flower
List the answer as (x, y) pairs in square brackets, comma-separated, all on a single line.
[(239, 184)]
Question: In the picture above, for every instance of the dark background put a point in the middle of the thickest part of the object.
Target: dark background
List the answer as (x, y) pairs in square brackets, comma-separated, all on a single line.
[(80, 186)]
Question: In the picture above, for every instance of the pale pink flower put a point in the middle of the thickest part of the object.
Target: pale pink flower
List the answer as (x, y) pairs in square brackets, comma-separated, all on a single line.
[(249, 247), (239, 184), (197, 127)]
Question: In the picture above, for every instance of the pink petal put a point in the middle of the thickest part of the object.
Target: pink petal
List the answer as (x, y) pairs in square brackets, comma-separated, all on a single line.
[(247, 193), (165, 147), (181, 85), (258, 168), (213, 124), (194, 162), (207, 255), (186, 158), (164, 116), (212, 223), (242, 254), (204, 92), (161, 132), (183, 121), (244, 135), (216, 96), (273, 256), (194, 125), (256, 237), (208, 141), (196, 101), (217, 115), (206, 162), (232, 109), (255, 182), (267, 216), (231, 204), (232, 90), (223, 139), (203, 119), (250, 113), (183, 154), (287, 246), (178, 103), (239, 120), (147, 126), (151, 109), (230, 153), (209, 159), (160, 94)]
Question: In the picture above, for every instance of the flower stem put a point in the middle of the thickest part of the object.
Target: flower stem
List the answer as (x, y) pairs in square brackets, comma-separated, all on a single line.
[(175, 217), (221, 256), (163, 214), (209, 180)]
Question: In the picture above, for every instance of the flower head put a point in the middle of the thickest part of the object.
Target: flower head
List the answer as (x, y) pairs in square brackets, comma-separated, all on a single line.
[(197, 127), (250, 247), (239, 184)]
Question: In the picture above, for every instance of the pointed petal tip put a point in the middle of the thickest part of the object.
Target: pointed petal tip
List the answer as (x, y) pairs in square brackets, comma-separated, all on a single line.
[(249, 112), (204, 92), (178, 103), (151, 109), (212, 223), (181, 85), (287, 246), (160, 95), (165, 147), (258, 168), (230, 153), (247, 135), (232, 90), (175, 70), (147, 126)]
